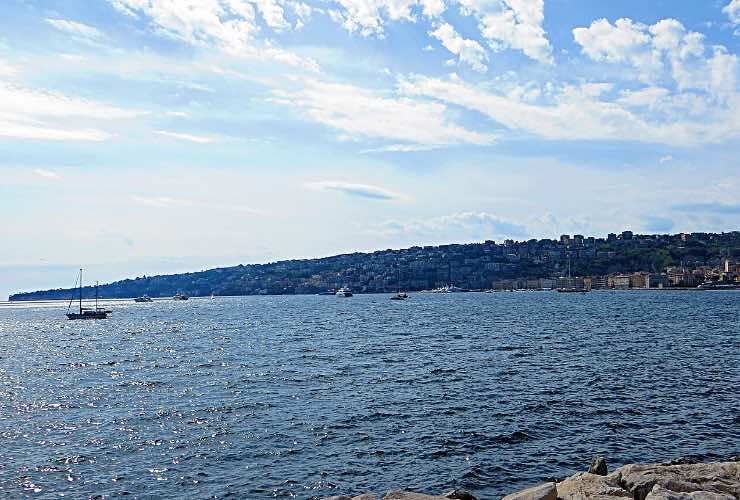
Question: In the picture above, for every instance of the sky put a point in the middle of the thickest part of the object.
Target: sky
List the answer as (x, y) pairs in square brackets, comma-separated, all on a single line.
[(156, 136)]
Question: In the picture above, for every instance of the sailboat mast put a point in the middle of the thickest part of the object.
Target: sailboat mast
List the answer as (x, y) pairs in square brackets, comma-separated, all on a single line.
[(96, 295), (80, 290)]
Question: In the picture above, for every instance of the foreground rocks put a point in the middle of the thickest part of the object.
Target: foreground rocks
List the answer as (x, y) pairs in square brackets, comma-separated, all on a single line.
[(410, 495), (684, 481), (676, 480)]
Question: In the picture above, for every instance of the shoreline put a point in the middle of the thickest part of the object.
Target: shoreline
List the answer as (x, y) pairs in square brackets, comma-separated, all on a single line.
[(679, 479)]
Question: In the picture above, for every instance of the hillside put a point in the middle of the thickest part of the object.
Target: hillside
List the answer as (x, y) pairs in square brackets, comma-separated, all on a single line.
[(472, 266)]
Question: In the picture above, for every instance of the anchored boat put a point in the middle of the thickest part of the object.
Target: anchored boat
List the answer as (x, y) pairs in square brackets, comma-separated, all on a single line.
[(84, 312)]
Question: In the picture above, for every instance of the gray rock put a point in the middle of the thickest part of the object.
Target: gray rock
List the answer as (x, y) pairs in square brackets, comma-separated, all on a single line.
[(598, 466), (586, 485), (408, 495), (546, 491), (719, 478), (660, 493), (364, 496), (459, 495)]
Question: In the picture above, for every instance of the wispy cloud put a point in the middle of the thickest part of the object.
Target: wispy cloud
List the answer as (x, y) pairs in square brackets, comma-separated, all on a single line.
[(665, 159), (49, 174), (27, 113), (200, 139), (352, 189), (165, 202), (361, 113), (77, 30), (462, 226)]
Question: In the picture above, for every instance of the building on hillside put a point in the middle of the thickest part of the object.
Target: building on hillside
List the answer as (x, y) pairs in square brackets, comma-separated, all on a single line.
[(654, 280), (619, 281)]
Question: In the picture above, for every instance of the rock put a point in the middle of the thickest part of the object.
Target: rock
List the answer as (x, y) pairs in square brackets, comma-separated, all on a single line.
[(364, 496), (718, 478), (546, 491), (660, 493), (598, 466), (408, 495), (459, 495), (587, 485)]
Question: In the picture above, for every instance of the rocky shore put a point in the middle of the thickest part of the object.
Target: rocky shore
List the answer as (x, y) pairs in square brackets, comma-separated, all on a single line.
[(680, 479)]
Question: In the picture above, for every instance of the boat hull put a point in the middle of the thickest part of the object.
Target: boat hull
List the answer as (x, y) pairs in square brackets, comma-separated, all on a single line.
[(88, 315)]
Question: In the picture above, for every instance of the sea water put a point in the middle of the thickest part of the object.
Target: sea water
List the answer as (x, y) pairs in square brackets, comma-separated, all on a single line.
[(311, 396)]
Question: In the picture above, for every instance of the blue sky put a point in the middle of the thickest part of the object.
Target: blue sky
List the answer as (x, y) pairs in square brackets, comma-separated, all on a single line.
[(147, 136)]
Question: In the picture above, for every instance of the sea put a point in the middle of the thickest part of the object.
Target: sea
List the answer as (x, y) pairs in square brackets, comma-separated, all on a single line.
[(313, 396)]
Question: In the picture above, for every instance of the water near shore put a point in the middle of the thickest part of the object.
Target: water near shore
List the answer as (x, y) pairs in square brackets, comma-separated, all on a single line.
[(304, 396)]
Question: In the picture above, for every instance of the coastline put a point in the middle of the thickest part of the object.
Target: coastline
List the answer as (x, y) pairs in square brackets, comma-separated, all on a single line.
[(679, 479)]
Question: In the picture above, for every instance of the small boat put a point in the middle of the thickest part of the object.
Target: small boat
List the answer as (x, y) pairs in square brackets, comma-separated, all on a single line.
[(84, 312), (180, 296), (344, 292), (143, 298), (328, 292), (212, 296), (400, 296), (572, 290)]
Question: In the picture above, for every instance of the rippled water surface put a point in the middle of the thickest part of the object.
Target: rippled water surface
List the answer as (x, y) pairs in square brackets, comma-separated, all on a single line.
[(311, 396)]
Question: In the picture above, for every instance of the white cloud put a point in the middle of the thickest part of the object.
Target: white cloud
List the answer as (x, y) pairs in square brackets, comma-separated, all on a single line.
[(49, 174), (624, 41), (78, 30), (663, 50), (360, 113), (23, 101), (39, 114), (368, 16), (178, 114), (468, 51), (353, 189), (200, 139), (462, 226), (732, 10), (583, 113), (433, 8), (515, 24), (665, 159), (26, 131), (273, 14), (229, 25)]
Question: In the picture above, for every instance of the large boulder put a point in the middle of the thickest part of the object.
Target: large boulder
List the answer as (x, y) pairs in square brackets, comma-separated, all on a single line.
[(459, 495), (586, 485), (715, 478), (660, 493), (545, 491), (598, 466)]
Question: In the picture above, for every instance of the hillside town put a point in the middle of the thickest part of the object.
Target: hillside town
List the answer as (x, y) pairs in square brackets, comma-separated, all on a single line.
[(618, 261)]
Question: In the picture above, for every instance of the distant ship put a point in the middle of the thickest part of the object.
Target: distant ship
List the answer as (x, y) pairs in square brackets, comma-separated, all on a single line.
[(180, 296), (328, 292), (86, 313), (344, 292), (400, 296), (143, 298), (714, 285)]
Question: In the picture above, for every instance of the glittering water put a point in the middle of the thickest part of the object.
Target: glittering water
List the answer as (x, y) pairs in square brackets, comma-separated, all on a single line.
[(311, 396)]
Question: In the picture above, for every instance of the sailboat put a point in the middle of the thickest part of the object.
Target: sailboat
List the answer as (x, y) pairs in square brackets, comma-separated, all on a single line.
[(571, 288), (399, 294), (86, 313)]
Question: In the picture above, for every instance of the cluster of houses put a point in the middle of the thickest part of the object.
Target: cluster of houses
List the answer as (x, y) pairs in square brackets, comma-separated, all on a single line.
[(674, 277)]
